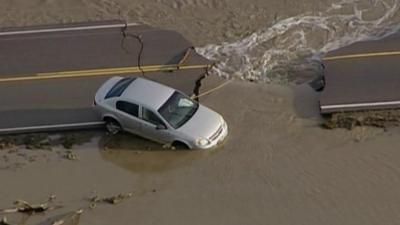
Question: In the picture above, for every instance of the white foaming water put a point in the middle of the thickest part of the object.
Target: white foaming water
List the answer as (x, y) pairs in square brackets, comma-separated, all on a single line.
[(291, 49)]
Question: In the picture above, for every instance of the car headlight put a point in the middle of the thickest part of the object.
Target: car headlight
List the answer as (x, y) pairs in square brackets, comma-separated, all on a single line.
[(224, 125), (202, 142)]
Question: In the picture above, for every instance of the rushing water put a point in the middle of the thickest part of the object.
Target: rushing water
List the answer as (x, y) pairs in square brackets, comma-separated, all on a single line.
[(288, 50), (291, 49)]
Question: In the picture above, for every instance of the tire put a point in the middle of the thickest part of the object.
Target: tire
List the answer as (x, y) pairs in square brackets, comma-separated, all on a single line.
[(112, 126), (178, 145)]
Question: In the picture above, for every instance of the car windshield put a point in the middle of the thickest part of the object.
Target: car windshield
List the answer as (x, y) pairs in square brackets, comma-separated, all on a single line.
[(178, 109)]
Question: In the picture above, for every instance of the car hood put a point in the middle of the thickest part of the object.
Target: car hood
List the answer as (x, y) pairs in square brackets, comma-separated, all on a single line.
[(203, 124)]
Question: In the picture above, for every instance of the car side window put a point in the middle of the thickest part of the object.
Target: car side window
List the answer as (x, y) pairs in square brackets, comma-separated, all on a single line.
[(151, 117), (127, 107)]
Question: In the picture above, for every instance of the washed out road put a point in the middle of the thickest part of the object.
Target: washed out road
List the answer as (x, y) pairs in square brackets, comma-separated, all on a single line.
[(49, 74)]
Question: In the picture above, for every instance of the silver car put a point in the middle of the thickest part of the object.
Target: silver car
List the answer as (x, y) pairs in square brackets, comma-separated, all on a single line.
[(159, 113)]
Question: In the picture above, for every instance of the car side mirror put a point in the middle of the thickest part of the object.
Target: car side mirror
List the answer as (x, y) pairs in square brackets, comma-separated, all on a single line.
[(161, 127)]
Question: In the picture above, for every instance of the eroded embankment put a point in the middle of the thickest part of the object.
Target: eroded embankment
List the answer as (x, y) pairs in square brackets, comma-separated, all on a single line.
[(375, 118)]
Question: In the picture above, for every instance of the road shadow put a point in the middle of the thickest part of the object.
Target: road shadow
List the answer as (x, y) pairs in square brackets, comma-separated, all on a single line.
[(306, 101)]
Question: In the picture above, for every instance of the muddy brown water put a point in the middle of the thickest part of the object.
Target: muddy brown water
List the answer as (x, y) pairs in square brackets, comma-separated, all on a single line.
[(136, 154), (277, 167)]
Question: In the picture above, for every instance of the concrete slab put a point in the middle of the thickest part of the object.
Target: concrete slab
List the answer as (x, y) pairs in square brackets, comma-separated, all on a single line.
[(362, 76)]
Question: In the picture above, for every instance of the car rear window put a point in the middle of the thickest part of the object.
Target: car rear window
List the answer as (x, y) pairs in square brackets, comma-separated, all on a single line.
[(119, 87)]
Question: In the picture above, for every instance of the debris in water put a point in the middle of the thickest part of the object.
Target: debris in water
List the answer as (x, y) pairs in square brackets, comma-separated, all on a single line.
[(117, 199), (376, 118), (169, 146), (71, 155), (43, 141), (58, 222), (72, 218), (51, 198), (92, 205), (95, 199), (111, 200), (68, 141), (37, 141), (25, 207), (4, 221), (7, 143)]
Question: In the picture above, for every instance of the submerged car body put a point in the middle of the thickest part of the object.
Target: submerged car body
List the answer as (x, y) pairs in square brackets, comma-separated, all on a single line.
[(159, 113)]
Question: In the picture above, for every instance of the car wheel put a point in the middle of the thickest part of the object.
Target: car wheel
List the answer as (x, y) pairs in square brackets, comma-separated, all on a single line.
[(180, 145), (112, 126)]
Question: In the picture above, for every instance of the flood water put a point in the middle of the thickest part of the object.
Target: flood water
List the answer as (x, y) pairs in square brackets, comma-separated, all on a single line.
[(291, 49), (140, 155)]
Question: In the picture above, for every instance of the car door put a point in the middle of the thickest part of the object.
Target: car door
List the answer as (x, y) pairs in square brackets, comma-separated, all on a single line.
[(128, 115), (153, 127)]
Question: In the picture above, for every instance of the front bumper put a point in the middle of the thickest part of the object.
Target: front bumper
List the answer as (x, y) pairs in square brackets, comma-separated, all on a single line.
[(219, 140)]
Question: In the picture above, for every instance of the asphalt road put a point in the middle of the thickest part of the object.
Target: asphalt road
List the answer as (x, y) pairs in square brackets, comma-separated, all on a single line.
[(364, 75), (92, 55), (27, 54)]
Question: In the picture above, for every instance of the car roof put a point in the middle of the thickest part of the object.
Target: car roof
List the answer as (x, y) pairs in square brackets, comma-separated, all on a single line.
[(148, 93)]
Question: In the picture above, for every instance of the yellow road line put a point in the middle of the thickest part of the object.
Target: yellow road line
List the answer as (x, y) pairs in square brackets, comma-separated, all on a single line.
[(364, 55), (106, 70), (98, 72)]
